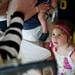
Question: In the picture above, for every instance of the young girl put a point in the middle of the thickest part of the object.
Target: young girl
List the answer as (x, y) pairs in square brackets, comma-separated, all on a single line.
[(62, 48)]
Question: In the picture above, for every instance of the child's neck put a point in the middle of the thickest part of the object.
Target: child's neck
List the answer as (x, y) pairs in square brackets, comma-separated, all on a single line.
[(63, 47)]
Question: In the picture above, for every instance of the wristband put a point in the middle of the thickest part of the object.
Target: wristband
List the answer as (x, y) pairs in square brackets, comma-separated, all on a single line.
[(44, 36)]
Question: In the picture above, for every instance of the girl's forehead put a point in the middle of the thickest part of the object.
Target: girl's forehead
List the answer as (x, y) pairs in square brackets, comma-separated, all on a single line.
[(57, 30)]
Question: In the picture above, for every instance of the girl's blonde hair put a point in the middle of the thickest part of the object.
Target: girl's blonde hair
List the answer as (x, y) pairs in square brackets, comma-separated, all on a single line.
[(65, 26)]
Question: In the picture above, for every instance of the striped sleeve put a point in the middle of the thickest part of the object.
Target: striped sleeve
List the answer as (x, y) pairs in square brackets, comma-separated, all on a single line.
[(10, 44)]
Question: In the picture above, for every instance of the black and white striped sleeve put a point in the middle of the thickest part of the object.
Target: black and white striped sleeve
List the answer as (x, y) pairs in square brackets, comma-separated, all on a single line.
[(10, 44)]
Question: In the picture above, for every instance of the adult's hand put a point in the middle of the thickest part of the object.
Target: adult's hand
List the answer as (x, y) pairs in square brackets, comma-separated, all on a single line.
[(43, 7)]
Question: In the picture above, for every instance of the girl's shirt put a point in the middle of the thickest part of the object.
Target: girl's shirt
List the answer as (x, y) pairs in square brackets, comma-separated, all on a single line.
[(64, 62)]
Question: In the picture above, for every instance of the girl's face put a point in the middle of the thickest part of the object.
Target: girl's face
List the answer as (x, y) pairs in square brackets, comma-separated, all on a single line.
[(59, 38)]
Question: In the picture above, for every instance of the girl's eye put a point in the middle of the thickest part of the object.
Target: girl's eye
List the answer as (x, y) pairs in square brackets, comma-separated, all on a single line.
[(59, 34), (53, 34)]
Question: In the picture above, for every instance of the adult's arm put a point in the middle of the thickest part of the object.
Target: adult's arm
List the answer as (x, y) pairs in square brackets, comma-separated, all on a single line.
[(10, 43)]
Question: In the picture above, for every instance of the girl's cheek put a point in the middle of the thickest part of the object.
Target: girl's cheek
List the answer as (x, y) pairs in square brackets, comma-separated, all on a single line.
[(63, 39)]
